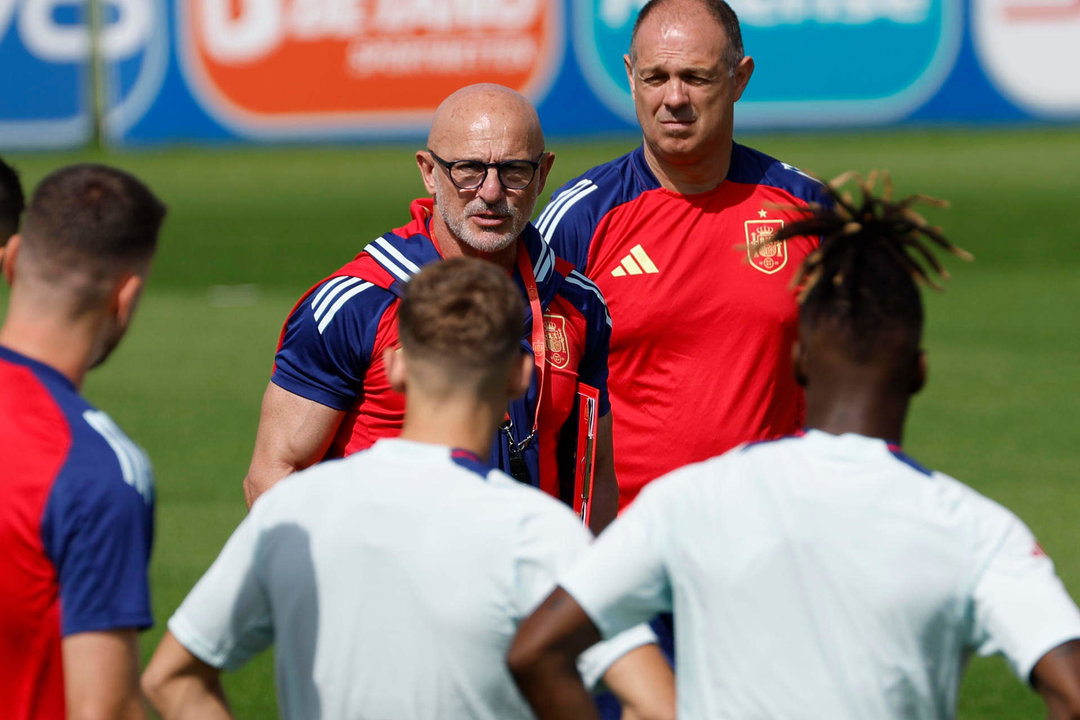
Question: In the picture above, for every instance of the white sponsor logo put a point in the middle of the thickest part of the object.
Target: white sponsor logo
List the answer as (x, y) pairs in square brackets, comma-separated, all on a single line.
[(769, 13), (1029, 50), (262, 26), (53, 41)]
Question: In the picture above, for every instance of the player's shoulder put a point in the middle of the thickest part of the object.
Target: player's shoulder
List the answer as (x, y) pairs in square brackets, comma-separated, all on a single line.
[(753, 167), (349, 295), (585, 295), (105, 461), (586, 198)]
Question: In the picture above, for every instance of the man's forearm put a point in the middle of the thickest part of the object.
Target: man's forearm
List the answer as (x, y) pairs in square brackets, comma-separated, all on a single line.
[(554, 689), (543, 658), (261, 477), (182, 687), (294, 433), (190, 698)]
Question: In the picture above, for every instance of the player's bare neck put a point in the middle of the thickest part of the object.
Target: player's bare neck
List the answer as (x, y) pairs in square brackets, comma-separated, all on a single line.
[(456, 424), (61, 347), (863, 405), (689, 176)]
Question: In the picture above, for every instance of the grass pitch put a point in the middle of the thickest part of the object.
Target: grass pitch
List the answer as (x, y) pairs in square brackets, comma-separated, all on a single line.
[(250, 229)]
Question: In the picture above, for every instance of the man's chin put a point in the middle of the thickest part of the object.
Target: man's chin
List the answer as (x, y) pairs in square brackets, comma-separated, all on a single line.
[(490, 242)]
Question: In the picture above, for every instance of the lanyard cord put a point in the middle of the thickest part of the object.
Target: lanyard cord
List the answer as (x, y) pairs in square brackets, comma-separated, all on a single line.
[(539, 345)]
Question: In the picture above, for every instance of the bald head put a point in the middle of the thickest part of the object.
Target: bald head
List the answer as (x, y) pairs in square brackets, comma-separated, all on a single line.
[(483, 113), (698, 12), (491, 132)]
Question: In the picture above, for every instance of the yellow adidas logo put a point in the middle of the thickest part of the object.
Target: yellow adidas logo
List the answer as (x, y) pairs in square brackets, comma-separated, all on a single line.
[(636, 263)]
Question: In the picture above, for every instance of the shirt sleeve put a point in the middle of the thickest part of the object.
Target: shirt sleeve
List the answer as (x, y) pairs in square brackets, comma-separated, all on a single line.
[(226, 620), (1021, 607), (622, 579), (328, 341), (567, 224), (548, 542), (98, 529)]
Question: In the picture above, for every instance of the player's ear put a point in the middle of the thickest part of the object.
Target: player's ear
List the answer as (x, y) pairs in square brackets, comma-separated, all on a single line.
[(7, 257), (798, 363), (520, 375), (921, 372), (546, 161), (126, 296), (426, 163), (394, 362), (742, 74), (629, 65)]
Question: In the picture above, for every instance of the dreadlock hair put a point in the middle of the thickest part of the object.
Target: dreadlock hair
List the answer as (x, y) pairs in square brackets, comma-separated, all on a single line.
[(863, 278), (12, 202)]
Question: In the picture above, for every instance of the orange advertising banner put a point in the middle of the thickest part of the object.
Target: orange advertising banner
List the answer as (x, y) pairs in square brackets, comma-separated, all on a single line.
[(267, 61)]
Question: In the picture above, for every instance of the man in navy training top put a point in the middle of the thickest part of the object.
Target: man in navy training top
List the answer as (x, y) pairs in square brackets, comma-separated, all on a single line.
[(485, 164)]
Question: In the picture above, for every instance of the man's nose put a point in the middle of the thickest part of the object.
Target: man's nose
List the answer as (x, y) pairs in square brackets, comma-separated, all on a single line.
[(675, 94), (491, 189)]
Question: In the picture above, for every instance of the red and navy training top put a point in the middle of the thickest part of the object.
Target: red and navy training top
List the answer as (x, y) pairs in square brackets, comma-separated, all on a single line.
[(332, 344), (76, 526), (703, 310)]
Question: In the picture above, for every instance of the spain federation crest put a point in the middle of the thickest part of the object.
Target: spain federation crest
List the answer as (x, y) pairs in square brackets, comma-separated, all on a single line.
[(764, 255), (558, 348)]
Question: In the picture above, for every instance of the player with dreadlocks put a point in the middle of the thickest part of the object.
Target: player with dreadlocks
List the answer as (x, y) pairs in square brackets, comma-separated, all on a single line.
[(827, 574)]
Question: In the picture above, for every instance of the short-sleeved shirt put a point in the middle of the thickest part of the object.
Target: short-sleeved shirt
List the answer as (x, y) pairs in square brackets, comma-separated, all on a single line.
[(332, 345), (391, 583), (825, 572), (76, 526), (704, 313)]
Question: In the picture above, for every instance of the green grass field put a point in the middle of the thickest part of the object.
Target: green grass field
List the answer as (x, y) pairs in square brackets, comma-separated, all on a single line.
[(250, 229)]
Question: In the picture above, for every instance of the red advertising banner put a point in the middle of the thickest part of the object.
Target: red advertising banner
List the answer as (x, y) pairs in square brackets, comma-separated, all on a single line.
[(264, 62)]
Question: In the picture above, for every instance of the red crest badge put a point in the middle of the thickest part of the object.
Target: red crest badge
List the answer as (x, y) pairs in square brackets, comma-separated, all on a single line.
[(768, 257), (558, 348)]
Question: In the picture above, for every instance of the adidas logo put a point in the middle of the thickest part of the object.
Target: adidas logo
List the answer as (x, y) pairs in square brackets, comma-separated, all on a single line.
[(636, 263)]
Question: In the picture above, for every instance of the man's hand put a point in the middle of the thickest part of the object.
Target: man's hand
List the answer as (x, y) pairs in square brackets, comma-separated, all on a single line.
[(101, 675), (180, 686), (294, 433)]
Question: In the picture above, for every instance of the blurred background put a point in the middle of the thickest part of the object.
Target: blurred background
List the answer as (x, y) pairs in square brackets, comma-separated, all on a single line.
[(281, 134)]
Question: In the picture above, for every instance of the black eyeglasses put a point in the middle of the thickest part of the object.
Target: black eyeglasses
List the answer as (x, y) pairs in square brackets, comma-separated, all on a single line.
[(471, 174)]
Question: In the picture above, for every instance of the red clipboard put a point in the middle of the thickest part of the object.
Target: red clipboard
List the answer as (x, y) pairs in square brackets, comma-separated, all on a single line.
[(585, 458)]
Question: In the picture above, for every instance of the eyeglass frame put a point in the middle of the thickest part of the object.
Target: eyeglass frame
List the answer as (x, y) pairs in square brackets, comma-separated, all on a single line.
[(448, 166)]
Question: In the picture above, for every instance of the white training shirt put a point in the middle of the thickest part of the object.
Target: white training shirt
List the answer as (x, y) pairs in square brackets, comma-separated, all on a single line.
[(391, 584), (824, 577)]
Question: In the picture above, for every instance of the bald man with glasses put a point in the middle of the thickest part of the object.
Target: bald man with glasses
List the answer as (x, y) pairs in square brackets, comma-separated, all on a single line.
[(484, 167)]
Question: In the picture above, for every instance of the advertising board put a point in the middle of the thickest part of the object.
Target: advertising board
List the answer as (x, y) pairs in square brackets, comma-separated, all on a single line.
[(332, 70)]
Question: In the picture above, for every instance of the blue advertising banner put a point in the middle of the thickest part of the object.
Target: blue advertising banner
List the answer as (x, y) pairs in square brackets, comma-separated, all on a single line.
[(45, 83), (322, 70)]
